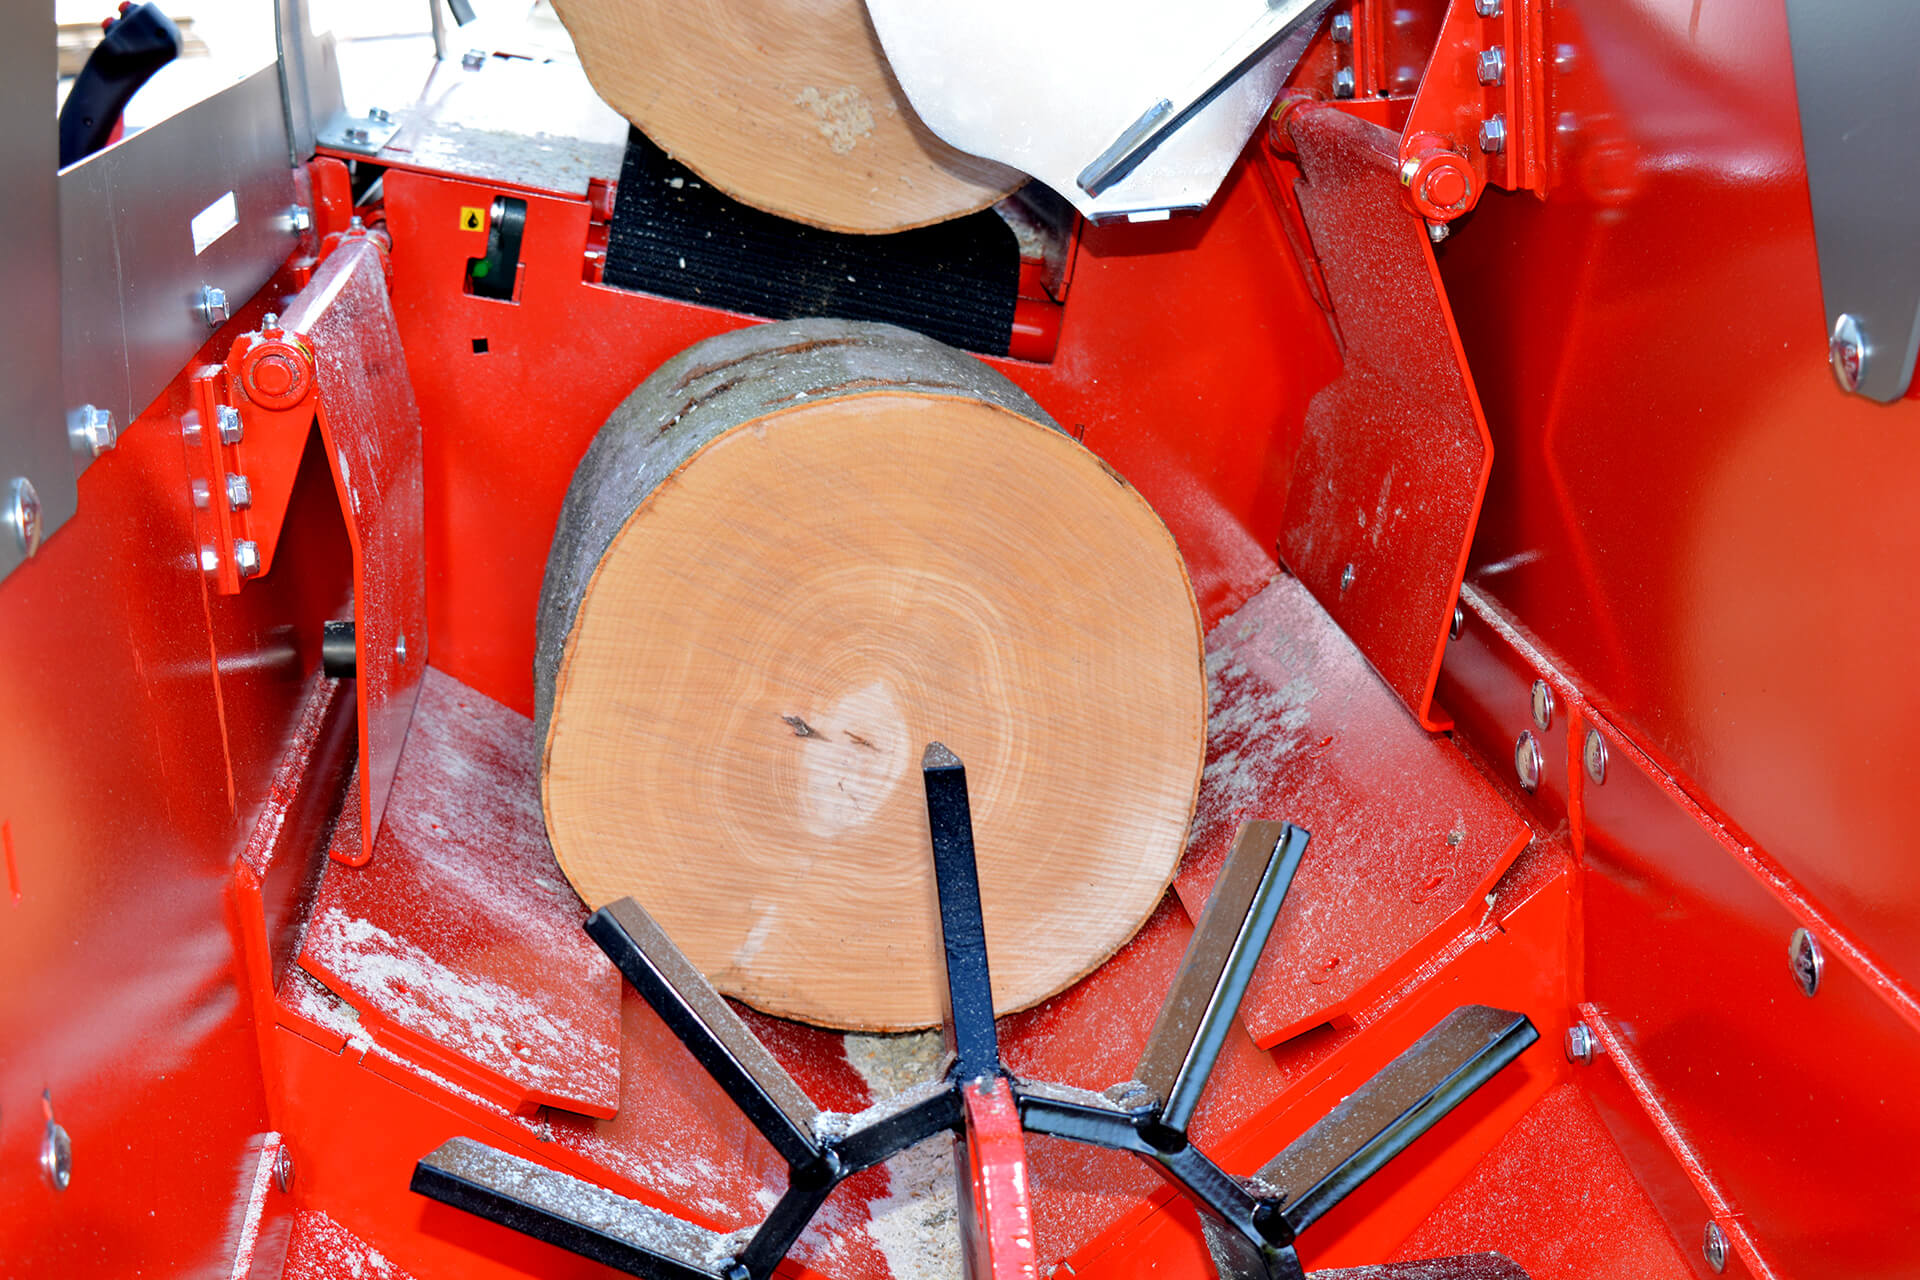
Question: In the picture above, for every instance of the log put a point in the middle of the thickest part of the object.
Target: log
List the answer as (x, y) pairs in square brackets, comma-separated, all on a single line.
[(786, 105), (794, 556)]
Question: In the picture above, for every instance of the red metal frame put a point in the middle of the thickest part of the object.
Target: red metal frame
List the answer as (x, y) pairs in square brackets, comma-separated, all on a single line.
[(1690, 539)]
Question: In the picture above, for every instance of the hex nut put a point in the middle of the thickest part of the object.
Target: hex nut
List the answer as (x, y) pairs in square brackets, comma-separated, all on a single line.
[(1491, 66), (213, 305), (92, 430), (246, 557), (1341, 28), (1582, 1044), (1493, 134)]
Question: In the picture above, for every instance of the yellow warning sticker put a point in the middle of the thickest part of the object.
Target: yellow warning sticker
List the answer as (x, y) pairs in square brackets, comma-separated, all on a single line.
[(473, 219)]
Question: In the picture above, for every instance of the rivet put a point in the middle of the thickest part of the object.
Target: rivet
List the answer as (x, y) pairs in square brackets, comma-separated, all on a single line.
[(1808, 960), (1713, 1246), (1542, 706), (23, 515), (1593, 753), (1527, 761), (56, 1156)]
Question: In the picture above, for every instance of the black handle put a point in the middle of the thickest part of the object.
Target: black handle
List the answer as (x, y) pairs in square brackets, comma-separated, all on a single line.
[(138, 43)]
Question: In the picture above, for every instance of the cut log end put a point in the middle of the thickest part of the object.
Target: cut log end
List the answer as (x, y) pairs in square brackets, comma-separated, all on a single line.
[(769, 593)]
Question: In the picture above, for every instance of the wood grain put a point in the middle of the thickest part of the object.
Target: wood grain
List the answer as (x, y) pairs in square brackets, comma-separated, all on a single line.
[(794, 556), (786, 105)]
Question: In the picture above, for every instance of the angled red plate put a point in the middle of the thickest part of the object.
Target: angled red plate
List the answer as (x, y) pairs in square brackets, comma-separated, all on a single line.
[(1407, 836), (461, 940)]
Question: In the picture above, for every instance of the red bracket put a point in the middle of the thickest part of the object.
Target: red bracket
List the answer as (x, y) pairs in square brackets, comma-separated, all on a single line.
[(996, 1214), (1479, 114)]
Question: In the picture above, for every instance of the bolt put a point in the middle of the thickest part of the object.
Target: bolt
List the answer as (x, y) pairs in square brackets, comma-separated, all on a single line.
[(1713, 1246), (357, 225), (91, 430), (283, 1169), (1594, 754), (1487, 8), (1346, 578), (1542, 705), (23, 515), (1848, 350), (300, 219), (1341, 28), (1406, 79), (1809, 962), (1582, 1044), (1565, 58), (400, 649), (246, 557), (357, 134), (1343, 83), (1446, 186), (1438, 231), (239, 492), (202, 495), (1459, 623), (1527, 761), (271, 320), (473, 59), (1492, 65), (213, 305), (230, 426), (1493, 134), (379, 115), (56, 1156)]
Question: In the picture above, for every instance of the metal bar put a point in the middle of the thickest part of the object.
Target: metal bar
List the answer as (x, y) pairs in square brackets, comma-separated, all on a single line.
[(579, 1217), (1382, 1117), (783, 1227), (1239, 915), (882, 1139), (709, 1027), (963, 932)]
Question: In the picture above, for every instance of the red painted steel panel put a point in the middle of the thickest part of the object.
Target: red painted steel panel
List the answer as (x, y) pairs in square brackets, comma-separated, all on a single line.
[(1407, 837), (1387, 484), (372, 431), (1557, 1197), (461, 940), (1802, 1110), (1155, 314), (1688, 513), (138, 705)]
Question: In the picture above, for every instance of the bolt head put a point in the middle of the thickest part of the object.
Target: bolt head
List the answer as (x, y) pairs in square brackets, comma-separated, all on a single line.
[(56, 1156), (1487, 8), (473, 59), (23, 515), (1582, 1044), (1593, 754), (283, 1169), (1459, 623), (213, 305), (380, 115), (246, 557), (1847, 349), (239, 492), (1542, 705), (1341, 28), (231, 427), (1343, 82), (1493, 134), (1346, 578), (1446, 186), (300, 219), (1527, 760), (1713, 1247), (92, 430), (1808, 960), (1438, 231), (1491, 66), (1565, 58)]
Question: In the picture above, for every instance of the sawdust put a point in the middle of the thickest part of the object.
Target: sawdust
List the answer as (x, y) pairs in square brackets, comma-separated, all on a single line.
[(845, 116), (917, 1223)]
